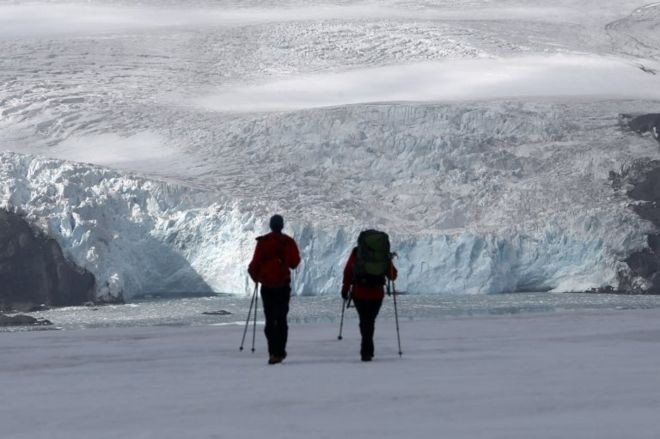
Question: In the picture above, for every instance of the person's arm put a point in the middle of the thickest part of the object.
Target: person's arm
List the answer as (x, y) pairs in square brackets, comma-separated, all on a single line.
[(293, 255), (255, 264), (348, 276), (392, 272)]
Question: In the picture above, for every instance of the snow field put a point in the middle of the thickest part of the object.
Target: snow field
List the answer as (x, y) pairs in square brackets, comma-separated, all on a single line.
[(557, 375)]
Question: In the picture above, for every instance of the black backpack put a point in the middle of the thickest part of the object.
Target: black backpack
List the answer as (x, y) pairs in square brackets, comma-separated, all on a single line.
[(372, 259)]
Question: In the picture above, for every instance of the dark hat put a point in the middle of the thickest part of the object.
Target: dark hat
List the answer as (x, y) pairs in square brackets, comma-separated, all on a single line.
[(276, 223)]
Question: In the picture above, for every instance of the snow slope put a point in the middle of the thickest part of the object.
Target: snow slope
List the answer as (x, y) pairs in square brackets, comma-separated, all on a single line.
[(556, 375), (482, 138)]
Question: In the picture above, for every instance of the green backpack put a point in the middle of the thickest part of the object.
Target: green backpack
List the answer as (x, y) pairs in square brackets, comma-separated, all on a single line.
[(372, 259)]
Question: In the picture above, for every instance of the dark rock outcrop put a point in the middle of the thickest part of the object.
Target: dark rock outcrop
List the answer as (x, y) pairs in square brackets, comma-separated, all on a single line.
[(644, 123), (22, 320), (222, 312), (34, 271), (644, 179)]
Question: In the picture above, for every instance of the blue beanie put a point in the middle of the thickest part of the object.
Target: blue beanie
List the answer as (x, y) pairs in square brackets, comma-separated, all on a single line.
[(276, 223)]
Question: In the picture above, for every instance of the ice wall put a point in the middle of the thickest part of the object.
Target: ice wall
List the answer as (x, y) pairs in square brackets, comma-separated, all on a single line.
[(140, 236), (479, 197), (136, 236)]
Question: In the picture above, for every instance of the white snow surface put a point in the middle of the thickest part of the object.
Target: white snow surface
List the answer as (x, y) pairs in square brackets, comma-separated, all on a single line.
[(153, 141), (535, 76), (542, 376)]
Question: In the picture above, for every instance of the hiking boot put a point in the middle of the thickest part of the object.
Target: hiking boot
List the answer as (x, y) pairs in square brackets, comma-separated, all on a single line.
[(274, 359), (367, 357)]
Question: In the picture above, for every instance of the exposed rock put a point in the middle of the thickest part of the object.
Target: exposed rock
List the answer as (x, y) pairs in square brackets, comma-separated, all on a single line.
[(222, 312), (645, 123), (22, 320), (644, 180), (34, 272)]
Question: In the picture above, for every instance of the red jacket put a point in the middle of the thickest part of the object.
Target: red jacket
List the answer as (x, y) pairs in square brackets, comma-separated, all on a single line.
[(275, 255), (364, 291)]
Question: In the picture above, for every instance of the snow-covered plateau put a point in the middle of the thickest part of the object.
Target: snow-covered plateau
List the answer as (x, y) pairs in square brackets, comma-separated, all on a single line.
[(154, 140)]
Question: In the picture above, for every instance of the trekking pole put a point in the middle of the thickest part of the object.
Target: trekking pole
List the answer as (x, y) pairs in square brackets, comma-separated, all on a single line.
[(254, 327), (247, 320), (344, 305), (396, 317), (341, 322)]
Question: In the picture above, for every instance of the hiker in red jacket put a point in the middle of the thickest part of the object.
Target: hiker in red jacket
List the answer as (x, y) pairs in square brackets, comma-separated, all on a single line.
[(368, 298), (275, 255)]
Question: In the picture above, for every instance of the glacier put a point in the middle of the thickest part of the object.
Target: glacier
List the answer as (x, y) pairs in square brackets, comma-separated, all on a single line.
[(145, 150)]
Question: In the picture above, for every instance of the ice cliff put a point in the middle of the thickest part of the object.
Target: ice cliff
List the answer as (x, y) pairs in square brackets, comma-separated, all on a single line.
[(479, 198)]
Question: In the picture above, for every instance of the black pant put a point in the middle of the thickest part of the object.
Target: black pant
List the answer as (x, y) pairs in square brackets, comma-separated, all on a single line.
[(368, 311), (276, 308)]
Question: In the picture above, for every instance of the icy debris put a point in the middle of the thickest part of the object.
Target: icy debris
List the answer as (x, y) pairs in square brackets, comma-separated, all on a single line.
[(112, 289)]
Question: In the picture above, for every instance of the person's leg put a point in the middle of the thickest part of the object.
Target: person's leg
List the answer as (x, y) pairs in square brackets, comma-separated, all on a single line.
[(373, 307), (366, 328), (367, 311), (280, 324), (268, 299)]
